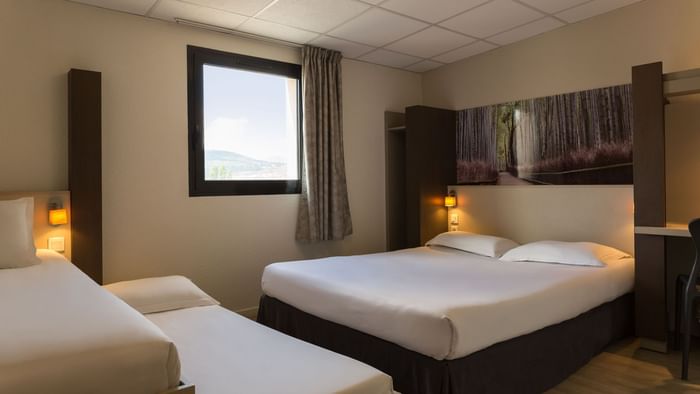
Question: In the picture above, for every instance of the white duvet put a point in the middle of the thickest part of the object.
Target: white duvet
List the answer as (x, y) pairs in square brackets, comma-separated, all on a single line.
[(223, 352), (60, 332), (441, 302)]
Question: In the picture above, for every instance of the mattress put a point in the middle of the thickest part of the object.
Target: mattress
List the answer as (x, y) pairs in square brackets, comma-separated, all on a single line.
[(62, 333), (442, 302), (223, 352)]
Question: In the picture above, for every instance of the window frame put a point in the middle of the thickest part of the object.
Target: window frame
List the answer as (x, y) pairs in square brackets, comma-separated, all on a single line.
[(197, 57)]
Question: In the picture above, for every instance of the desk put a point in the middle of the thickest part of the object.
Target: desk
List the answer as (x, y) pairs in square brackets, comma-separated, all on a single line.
[(670, 230), (663, 253)]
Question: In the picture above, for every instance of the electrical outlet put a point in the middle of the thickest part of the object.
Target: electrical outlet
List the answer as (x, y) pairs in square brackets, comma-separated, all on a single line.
[(454, 218), (57, 244)]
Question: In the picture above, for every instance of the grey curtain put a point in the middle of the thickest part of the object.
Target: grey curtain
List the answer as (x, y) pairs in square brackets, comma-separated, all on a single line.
[(324, 211)]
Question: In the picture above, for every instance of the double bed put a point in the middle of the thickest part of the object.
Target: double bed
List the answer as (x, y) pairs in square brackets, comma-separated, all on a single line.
[(440, 320)]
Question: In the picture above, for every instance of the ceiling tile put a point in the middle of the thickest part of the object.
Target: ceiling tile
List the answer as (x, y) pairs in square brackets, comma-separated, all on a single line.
[(349, 49), (553, 6), (139, 7), (593, 8), (425, 65), (244, 7), (377, 27), (492, 18), (527, 31), (431, 11), (277, 31), (171, 9), (464, 52), (430, 42), (389, 58), (315, 15)]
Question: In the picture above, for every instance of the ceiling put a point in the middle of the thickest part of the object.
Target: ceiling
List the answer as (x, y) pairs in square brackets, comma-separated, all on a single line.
[(416, 35)]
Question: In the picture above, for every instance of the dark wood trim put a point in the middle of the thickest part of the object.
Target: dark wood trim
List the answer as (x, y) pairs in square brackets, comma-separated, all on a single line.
[(430, 169), (85, 169), (649, 145), (197, 57), (650, 287), (650, 201)]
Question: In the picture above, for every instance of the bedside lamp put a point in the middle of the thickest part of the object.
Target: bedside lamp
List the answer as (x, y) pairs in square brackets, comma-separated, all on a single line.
[(451, 200), (57, 214)]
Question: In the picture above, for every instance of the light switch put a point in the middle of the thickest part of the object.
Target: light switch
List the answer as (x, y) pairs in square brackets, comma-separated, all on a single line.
[(454, 218), (57, 244)]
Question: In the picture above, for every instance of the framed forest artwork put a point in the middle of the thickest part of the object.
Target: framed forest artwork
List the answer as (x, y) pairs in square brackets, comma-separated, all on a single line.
[(582, 138)]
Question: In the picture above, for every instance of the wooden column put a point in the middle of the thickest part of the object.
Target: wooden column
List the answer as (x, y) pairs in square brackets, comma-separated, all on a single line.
[(85, 169), (430, 168), (650, 204)]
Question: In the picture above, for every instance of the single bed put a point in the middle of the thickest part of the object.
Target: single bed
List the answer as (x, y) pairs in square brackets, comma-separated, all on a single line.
[(223, 352), (441, 320), (62, 333)]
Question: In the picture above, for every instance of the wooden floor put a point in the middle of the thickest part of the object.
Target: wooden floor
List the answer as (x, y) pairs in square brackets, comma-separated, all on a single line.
[(624, 368)]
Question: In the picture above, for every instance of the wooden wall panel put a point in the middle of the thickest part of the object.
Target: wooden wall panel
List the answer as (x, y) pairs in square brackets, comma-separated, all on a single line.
[(649, 145), (430, 156), (85, 169), (650, 203)]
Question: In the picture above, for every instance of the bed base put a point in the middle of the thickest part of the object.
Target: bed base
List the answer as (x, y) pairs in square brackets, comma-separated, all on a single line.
[(531, 363)]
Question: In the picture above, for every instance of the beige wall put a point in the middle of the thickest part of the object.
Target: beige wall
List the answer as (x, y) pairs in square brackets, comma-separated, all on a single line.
[(683, 159), (603, 214), (594, 53), (151, 226)]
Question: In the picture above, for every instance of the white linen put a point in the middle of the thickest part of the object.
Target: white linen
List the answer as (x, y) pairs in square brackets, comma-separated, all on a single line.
[(16, 239), (62, 333), (441, 302), (223, 352), (558, 252), (484, 245), (160, 294)]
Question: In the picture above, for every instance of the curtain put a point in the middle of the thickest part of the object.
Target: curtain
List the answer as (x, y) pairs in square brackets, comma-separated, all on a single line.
[(324, 211)]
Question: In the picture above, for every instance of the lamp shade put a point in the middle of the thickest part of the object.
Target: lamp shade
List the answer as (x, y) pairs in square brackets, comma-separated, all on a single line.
[(58, 216), (451, 201)]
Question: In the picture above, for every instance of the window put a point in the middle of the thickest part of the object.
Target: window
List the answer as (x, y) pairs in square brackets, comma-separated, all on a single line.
[(244, 124)]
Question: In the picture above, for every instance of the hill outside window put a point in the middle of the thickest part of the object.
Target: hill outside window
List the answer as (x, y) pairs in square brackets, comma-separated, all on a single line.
[(244, 124)]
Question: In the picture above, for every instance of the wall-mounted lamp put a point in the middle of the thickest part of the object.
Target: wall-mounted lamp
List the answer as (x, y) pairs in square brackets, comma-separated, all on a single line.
[(451, 200), (57, 214)]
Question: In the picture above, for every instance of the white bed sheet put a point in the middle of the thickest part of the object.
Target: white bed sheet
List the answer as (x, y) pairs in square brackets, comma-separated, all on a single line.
[(60, 332), (223, 352), (441, 302)]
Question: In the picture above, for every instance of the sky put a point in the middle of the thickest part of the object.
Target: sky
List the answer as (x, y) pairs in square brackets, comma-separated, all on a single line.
[(247, 113)]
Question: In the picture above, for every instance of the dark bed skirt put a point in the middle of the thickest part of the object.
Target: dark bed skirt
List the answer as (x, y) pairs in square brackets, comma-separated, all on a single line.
[(530, 363)]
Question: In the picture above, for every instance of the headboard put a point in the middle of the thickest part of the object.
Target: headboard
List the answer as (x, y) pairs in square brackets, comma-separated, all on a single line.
[(602, 213), (42, 229)]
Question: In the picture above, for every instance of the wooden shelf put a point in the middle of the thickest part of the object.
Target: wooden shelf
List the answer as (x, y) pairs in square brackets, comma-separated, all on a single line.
[(682, 83), (670, 230)]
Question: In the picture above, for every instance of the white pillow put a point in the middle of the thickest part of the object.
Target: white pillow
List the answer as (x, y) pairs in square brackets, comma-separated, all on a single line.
[(16, 239), (485, 245), (161, 294), (572, 253)]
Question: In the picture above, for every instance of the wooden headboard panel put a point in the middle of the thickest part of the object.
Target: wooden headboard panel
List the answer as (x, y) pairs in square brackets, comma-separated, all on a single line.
[(42, 229), (603, 214)]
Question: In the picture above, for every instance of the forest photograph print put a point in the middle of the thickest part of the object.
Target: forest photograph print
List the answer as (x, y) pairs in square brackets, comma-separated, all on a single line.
[(581, 138)]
